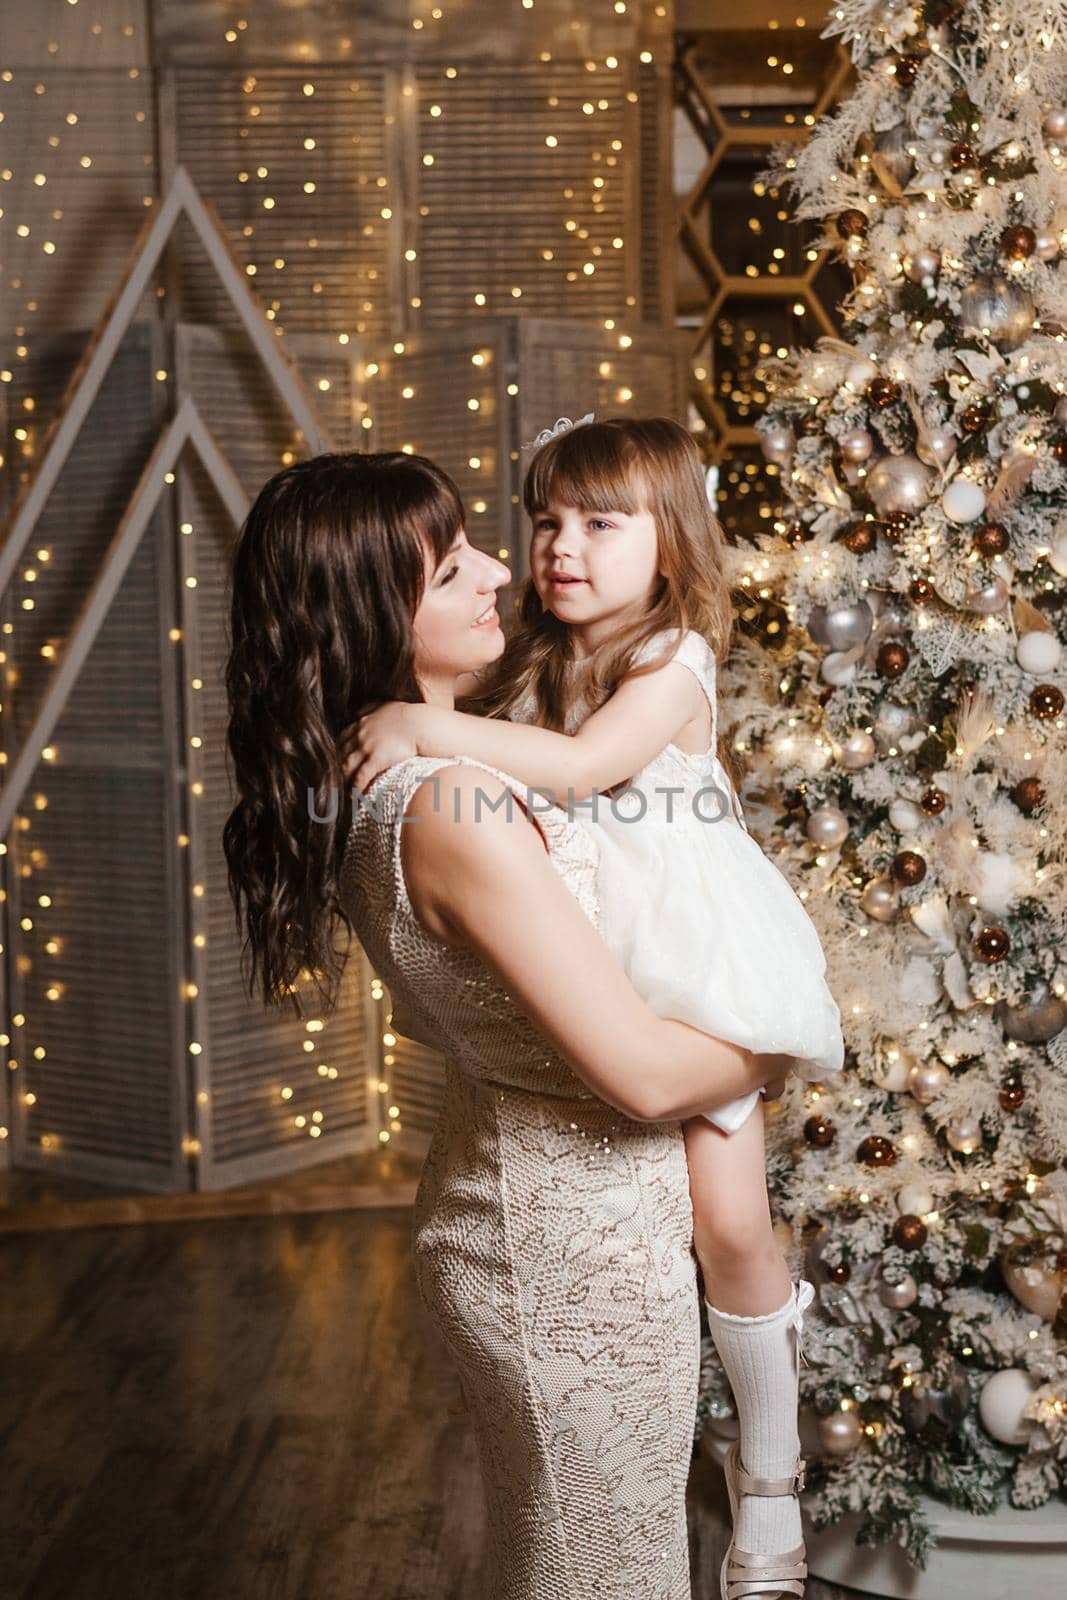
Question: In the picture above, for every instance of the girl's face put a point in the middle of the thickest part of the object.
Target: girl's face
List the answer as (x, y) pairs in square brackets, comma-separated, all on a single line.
[(456, 626), (591, 568)]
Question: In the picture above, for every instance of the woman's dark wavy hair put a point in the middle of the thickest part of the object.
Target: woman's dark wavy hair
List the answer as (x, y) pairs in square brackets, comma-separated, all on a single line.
[(327, 576)]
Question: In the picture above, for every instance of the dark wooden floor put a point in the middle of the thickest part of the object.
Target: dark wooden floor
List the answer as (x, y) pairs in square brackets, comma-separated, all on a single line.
[(241, 1409)]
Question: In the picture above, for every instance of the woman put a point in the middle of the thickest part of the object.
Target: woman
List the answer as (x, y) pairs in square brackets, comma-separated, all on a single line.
[(553, 1227)]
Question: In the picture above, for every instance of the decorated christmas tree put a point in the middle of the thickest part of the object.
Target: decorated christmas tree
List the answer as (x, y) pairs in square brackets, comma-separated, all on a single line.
[(906, 731)]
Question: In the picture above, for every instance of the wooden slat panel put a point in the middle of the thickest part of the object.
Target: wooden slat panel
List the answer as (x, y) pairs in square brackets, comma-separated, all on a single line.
[(247, 1129), (497, 197), (336, 247), (96, 966), (101, 206)]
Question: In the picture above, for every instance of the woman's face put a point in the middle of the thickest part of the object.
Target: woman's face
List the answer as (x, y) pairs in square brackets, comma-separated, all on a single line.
[(456, 626)]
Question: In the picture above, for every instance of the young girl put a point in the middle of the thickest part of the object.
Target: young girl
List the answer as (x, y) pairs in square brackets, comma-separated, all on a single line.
[(609, 680)]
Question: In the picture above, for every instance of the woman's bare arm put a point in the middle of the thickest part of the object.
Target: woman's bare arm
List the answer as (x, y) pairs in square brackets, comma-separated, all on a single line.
[(642, 716), (486, 882)]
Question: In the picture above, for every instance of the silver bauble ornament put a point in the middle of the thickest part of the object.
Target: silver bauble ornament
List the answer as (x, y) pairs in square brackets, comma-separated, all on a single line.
[(840, 1433), (928, 1079), (841, 626), (1057, 556), (1001, 1404), (1054, 124), (986, 598), (827, 827), (892, 150), (1038, 653), (963, 500), (898, 1292), (1035, 1020), (879, 900), (777, 443), (1037, 1284), (906, 816), (914, 1200), (936, 446), (1046, 246), (898, 483), (965, 1135), (858, 750), (856, 444), (1003, 310), (922, 264)]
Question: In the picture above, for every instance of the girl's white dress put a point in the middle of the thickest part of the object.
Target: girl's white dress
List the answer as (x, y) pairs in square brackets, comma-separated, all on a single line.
[(707, 928)]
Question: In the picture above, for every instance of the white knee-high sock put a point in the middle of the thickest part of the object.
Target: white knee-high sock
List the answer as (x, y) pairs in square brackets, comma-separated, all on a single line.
[(761, 1356)]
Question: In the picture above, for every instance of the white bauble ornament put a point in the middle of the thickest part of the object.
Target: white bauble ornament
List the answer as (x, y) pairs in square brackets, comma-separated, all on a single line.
[(827, 827), (963, 500), (858, 750), (860, 372), (837, 668), (879, 900), (895, 1076), (892, 721), (914, 1200), (964, 1135), (1055, 123), (1001, 1403), (840, 1433), (928, 1079), (937, 446), (898, 483), (906, 816), (1046, 246), (1038, 652), (1057, 556), (856, 444)]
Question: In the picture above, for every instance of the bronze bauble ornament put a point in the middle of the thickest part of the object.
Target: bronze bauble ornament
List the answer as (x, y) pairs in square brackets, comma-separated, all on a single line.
[(874, 1151), (1018, 244), (1028, 795), (991, 944), (909, 1233), (1046, 701), (892, 659), (819, 1132), (991, 539), (908, 867)]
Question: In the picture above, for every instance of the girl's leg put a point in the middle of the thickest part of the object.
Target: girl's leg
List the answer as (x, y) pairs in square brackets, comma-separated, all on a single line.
[(754, 1315)]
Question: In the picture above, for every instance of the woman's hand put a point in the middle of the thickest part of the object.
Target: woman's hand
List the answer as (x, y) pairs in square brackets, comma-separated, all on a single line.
[(377, 741)]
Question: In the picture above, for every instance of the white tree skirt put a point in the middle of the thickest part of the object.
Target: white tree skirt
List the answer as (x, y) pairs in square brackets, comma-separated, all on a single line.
[(1011, 1555)]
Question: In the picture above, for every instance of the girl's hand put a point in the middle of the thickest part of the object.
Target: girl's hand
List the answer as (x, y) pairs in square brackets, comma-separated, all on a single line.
[(778, 1068), (377, 741)]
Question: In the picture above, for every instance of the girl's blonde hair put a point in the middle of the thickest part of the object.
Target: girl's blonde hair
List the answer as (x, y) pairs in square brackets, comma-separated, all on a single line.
[(627, 464)]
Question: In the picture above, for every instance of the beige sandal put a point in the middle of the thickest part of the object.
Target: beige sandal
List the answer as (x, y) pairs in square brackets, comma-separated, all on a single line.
[(745, 1576)]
